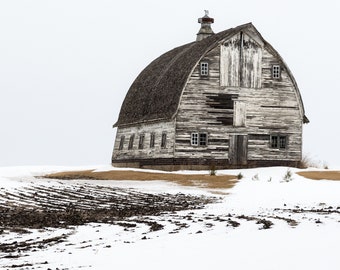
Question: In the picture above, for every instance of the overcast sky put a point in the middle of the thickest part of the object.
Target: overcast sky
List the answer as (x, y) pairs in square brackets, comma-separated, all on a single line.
[(66, 65)]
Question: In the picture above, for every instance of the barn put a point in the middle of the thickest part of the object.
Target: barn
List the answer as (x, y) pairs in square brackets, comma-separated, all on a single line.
[(226, 100)]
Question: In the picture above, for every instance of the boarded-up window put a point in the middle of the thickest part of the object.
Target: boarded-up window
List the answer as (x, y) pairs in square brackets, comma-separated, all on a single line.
[(121, 143), (132, 138), (152, 140), (163, 142), (239, 114), (141, 141)]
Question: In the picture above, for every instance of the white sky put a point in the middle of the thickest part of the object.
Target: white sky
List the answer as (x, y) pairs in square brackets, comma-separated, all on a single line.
[(66, 65)]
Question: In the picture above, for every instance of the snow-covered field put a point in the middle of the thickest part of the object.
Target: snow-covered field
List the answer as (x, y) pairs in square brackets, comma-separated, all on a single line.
[(263, 222)]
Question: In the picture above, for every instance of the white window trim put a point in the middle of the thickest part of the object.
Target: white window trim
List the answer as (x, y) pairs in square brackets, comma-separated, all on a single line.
[(204, 69), (194, 138), (276, 71)]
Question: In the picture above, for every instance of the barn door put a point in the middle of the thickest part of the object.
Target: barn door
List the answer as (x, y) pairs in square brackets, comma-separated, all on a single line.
[(238, 149)]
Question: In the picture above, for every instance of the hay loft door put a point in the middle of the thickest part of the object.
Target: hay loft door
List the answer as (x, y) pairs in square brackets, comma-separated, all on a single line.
[(238, 149)]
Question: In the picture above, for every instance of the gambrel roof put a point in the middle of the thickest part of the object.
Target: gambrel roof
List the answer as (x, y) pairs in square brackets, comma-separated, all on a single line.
[(156, 92)]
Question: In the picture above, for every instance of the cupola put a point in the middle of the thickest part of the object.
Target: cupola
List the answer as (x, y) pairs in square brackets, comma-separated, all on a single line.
[(205, 30)]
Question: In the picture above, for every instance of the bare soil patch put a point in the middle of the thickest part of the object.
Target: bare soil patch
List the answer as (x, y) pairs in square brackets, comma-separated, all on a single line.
[(321, 175), (40, 206), (200, 180)]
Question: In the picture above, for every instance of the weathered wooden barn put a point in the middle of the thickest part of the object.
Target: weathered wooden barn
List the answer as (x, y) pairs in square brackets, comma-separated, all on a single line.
[(227, 100)]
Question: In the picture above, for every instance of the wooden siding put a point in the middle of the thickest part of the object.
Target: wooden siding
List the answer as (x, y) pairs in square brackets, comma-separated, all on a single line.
[(224, 105), (230, 62), (240, 62), (240, 114), (238, 105), (146, 152)]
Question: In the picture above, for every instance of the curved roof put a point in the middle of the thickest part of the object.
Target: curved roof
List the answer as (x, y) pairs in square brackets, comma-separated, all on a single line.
[(155, 94)]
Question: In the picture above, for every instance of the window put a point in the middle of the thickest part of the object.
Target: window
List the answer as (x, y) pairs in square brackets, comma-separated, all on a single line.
[(274, 142), (141, 141), (203, 139), (276, 72), (204, 69), (279, 142), (194, 138), (199, 139), (132, 137), (121, 143), (163, 142), (282, 142), (152, 140)]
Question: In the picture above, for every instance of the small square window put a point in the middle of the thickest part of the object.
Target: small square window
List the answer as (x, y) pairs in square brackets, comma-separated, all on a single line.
[(152, 140), (194, 138), (204, 70), (276, 70), (163, 142), (121, 143), (132, 137), (141, 141)]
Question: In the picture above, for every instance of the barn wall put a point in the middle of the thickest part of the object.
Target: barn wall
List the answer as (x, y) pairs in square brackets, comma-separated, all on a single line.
[(196, 115), (220, 103), (135, 154)]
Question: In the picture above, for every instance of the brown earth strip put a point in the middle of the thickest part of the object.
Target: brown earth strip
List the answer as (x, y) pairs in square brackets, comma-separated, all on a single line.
[(200, 180), (321, 175), (94, 204)]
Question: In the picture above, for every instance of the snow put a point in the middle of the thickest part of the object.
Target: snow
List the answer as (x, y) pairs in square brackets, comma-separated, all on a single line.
[(204, 243)]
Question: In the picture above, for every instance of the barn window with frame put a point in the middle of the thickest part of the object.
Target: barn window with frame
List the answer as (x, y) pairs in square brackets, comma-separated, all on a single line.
[(121, 143), (203, 139), (282, 142), (141, 141), (204, 69), (152, 140), (276, 72), (132, 138), (194, 139), (278, 141), (199, 139), (163, 142)]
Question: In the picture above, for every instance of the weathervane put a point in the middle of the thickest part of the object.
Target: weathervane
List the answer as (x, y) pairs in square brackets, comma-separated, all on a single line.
[(206, 12)]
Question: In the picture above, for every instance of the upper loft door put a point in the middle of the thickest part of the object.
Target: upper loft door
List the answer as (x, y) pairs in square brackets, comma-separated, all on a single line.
[(238, 149), (241, 62)]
